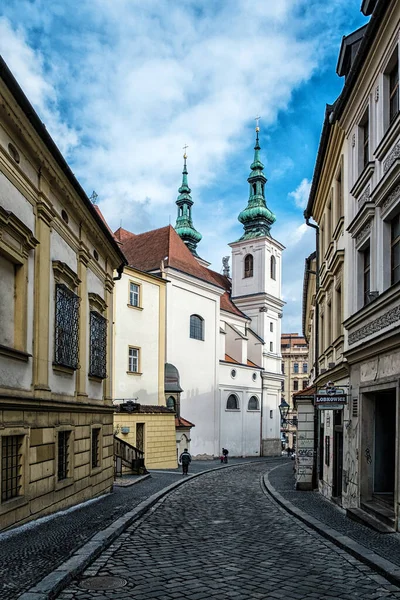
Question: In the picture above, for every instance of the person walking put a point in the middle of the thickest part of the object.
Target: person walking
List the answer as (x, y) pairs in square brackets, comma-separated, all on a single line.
[(225, 453), (185, 459)]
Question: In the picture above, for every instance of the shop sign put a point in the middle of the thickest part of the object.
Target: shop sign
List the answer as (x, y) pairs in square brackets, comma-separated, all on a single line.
[(330, 397)]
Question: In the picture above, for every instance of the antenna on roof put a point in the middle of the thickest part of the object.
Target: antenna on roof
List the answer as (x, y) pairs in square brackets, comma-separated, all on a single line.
[(94, 197)]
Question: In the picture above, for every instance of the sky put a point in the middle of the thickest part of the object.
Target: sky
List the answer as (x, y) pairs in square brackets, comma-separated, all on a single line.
[(123, 85)]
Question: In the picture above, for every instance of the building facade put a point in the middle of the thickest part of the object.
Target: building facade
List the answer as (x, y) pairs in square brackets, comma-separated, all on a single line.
[(57, 260), (360, 142), (295, 369)]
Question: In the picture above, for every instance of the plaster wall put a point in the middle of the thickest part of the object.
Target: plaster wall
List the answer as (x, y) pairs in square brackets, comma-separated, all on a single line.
[(305, 444), (138, 327), (13, 200), (196, 360)]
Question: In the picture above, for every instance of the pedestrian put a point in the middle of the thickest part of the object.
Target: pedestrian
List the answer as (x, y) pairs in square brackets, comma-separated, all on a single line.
[(225, 453), (289, 451), (185, 459)]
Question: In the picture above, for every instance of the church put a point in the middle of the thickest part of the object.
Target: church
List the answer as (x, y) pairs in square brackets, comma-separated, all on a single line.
[(218, 334)]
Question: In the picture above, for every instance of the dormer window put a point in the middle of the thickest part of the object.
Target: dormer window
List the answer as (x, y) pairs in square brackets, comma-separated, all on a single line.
[(248, 266)]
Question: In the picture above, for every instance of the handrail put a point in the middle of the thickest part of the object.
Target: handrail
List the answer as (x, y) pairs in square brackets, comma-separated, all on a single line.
[(129, 455)]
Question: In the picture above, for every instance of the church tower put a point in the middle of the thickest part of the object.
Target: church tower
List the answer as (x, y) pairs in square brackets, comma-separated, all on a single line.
[(184, 224), (257, 291)]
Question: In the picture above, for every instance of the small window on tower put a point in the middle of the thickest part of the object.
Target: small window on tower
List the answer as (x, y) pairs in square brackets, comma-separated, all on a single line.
[(273, 267), (248, 266)]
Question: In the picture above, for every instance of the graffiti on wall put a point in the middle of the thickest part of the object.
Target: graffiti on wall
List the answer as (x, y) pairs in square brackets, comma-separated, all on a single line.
[(350, 466)]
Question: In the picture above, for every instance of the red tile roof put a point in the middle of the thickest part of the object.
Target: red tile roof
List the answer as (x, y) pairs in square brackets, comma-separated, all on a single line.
[(145, 251), (230, 359), (251, 364), (181, 422)]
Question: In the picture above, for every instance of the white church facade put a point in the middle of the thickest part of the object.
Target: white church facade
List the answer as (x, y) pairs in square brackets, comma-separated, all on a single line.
[(222, 333)]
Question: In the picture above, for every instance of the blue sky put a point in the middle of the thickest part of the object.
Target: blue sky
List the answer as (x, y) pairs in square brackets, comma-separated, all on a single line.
[(122, 85)]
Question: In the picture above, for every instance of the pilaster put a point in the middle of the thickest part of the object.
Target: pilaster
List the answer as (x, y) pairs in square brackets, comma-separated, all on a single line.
[(81, 374), (108, 295)]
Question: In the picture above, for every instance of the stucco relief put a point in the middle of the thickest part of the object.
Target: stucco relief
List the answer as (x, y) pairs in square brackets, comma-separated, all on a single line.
[(393, 196), (395, 154), (388, 318), (364, 232), (364, 197)]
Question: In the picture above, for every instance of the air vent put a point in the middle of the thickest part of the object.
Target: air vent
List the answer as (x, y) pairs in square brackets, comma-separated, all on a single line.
[(354, 406), (323, 370), (331, 365)]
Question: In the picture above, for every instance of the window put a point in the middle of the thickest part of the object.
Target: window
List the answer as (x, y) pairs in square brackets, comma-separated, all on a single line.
[(366, 257), (273, 267), (338, 299), (393, 91), (140, 436), (339, 194), (271, 346), (133, 362), (196, 327), (305, 367), (271, 326), (95, 447), (11, 466), (282, 386), (305, 384), (248, 266), (134, 294), (295, 384), (171, 403), (253, 403), (63, 455), (283, 367), (98, 345), (232, 403), (296, 367), (66, 327), (395, 250)]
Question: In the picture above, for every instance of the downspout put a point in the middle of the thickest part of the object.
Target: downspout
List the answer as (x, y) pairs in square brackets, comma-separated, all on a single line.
[(120, 270), (316, 329)]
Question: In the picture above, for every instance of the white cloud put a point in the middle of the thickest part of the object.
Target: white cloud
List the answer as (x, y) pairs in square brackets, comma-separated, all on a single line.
[(27, 66), (301, 193)]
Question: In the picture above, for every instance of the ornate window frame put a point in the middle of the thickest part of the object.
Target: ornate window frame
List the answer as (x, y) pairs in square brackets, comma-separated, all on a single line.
[(66, 318), (98, 325)]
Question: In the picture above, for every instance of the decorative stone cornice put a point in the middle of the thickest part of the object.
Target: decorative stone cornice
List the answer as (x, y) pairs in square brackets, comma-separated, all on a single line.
[(84, 255), (364, 232), (15, 235), (45, 212), (108, 284), (97, 303), (391, 198), (64, 274), (365, 196), (385, 320)]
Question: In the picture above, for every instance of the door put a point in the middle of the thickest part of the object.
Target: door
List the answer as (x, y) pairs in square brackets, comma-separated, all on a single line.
[(337, 462), (385, 443), (140, 436)]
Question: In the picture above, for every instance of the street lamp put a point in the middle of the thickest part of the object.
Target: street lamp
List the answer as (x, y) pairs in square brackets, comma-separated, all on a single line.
[(284, 409)]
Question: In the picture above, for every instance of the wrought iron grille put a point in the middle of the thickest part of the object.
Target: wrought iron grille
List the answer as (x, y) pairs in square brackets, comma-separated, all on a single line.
[(140, 436), (66, 327), (98, 345), (95, 448), (11, 466), (63, 455), (196, 327)]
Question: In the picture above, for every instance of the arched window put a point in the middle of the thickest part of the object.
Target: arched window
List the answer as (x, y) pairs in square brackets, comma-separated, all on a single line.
[(273, 267), (181, 211), (171, 403), (253, 403), (248, 266), (232, 402), (196, 327), (254, 188)]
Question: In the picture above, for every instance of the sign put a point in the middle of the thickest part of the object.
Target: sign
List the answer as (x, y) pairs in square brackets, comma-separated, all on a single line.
[(330, 406), (330, 397)]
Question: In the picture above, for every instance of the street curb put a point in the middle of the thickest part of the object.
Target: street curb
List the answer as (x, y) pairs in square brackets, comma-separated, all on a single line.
[(134, 482), (383, 566), (51, 585)]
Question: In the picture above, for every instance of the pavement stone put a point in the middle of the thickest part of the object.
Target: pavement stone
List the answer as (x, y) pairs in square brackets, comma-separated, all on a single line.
[(30, 553), (222, 536)]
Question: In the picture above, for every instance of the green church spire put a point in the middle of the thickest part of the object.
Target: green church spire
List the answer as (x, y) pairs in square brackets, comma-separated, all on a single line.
[(184, 224), (256, 217)]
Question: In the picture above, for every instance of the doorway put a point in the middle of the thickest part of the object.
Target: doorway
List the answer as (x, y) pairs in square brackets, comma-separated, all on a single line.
[(385, 446), (337, 455)]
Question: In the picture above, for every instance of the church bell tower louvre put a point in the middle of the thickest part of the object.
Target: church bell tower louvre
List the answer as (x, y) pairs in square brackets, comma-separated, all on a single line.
[(184, 223)]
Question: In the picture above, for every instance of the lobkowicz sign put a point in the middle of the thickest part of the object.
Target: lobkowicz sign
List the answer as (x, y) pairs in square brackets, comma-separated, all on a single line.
[(330, 397)]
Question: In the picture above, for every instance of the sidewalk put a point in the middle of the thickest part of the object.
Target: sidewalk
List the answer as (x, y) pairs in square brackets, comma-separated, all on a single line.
[(34, 551), (379, 551)]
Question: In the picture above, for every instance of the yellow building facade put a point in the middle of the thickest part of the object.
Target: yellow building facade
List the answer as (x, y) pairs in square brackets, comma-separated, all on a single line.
[(57, 261)]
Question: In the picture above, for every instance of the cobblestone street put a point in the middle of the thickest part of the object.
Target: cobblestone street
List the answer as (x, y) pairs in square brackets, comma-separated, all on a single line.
[(222, 536)]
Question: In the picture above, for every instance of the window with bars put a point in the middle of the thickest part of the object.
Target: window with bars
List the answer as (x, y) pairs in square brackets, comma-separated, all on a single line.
[(134, 294), (248, 266), (98, 345), (395, 249), (196, 327), (63, 455), (95, 447), (11, 466), (133, 361), (66, 327)]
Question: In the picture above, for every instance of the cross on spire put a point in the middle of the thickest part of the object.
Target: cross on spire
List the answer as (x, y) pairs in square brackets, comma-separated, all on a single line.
[(184, 149), (257, 120)]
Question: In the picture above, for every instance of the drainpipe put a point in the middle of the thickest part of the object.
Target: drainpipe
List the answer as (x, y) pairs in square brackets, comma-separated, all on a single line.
[(120, 270)]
